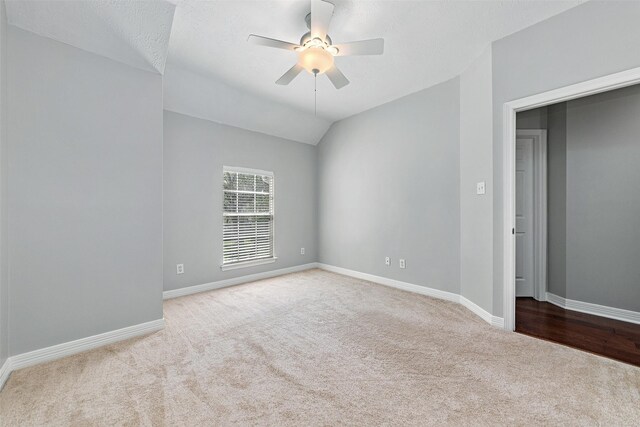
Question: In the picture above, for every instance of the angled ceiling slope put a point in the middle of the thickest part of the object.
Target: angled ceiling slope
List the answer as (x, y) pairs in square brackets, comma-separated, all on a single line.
[(133, 32), (194, 95), (213, 73), (426, 42)]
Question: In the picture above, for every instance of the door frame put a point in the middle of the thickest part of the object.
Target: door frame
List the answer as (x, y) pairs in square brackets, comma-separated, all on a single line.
[(578, 90), (539, 137)]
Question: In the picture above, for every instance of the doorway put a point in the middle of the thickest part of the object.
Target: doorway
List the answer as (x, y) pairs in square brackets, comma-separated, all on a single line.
[(590, 87), (531, 213), (583, 318)]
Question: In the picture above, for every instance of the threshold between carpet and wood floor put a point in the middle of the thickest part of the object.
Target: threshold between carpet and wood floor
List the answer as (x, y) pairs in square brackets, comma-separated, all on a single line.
[(600, 335), (318, 348)]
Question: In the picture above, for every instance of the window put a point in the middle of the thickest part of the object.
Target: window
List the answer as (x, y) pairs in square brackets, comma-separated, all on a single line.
[(247, 231)]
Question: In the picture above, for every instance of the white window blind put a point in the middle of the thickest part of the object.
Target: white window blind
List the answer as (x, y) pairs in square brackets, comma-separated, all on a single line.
[(247, 216)]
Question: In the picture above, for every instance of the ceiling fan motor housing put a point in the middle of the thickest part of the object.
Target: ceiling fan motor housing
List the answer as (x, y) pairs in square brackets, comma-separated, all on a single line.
[(307, 37)]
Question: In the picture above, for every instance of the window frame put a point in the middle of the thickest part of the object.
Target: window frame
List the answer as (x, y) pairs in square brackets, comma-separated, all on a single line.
[(257, 261)]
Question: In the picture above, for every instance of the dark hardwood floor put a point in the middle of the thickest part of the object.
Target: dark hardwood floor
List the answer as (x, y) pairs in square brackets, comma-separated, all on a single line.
[(606, 337)]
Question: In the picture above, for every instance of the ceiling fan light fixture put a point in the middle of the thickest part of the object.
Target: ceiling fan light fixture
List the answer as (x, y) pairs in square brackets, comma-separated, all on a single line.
[(316, 60)]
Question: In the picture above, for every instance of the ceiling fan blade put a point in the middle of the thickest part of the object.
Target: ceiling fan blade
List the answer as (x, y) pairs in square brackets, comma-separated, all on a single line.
[(337, 78), (290, 75), (362, 47), (321, 13), (266, 41)]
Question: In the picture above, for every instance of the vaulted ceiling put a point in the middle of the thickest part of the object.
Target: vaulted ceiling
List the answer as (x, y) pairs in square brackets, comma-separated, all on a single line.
[(213, 73), (133, 32)]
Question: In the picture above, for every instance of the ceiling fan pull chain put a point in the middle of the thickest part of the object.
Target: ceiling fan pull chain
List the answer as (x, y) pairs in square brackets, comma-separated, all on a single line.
[(315, 94)]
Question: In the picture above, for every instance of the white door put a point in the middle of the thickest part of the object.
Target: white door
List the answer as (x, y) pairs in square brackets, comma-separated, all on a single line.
[(524, 216)]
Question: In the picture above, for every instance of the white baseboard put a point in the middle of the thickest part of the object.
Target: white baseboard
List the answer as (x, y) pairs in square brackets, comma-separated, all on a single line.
[(5, 371), (174, 293), (66, 349), (595, 309), (498, 322), (58, 351), (422, 290), (477, 310)]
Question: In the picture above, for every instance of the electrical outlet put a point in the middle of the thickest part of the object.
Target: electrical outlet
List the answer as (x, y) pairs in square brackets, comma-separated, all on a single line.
[(403, 264), (301, 251), (179, 268), (387, 261)]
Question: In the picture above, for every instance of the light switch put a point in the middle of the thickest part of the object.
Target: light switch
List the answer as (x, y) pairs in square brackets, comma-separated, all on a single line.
[(480, 188)]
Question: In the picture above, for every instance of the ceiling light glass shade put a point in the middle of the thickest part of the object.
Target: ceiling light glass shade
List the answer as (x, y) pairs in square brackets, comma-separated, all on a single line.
[(315, 60)]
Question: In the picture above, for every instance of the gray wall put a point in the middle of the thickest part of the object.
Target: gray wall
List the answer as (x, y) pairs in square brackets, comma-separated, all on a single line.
[(553, 119), (532, 119), (476, 211), (84, 195), (588, 41), (195, 150), (4, 282), (557, 199), (593, 200), (603, 199), (390, 186)]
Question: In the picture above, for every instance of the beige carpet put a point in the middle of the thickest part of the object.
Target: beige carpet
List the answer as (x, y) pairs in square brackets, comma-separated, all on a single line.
[(316, 348)]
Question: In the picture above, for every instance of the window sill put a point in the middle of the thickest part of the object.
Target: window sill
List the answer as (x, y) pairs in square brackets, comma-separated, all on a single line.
[(244, 264)]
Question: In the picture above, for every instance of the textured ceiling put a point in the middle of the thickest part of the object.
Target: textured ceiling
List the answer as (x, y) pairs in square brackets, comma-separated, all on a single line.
[(213, 73), (426, 42), (135, 32), (189, 93)]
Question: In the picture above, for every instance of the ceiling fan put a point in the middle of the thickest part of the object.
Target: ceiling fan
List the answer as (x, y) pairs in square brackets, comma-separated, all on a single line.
[(316, 49)]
